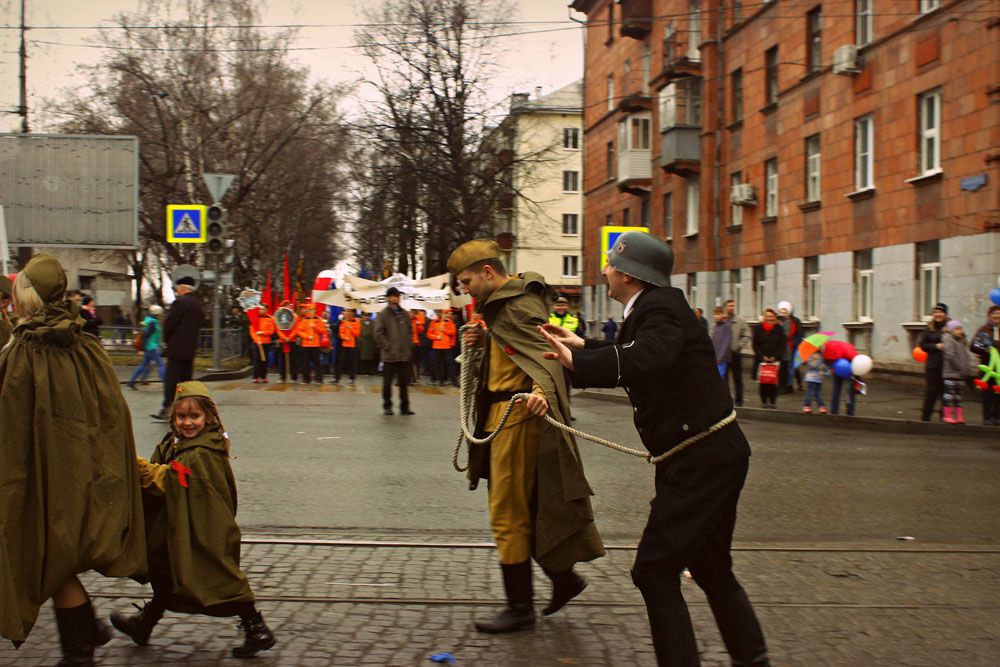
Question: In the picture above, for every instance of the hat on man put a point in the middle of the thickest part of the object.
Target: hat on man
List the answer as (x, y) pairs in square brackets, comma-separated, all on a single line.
[(643, 257), (392, 291), (470, 252), (186, 280), (47, 276), (942, 307), (562, 299)]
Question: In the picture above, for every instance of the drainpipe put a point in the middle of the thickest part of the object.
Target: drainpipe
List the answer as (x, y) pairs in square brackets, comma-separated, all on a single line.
[(591, 300), (716, 185)]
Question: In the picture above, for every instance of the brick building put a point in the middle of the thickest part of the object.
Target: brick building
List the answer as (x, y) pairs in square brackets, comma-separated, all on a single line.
[(841, 155)]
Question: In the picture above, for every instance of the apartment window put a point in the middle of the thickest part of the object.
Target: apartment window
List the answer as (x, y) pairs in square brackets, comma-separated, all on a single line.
[(864, 153), (571, 224), (571, 138), (647, 56), (571, 181), (771, 188), (929, 5), (680, 104), (810, 284), (812, 168), (693, 204), (611, 92), (930, 131), (736, 210), (737, 95), (759, 290), (864, 18), (609, 158), (626, 217), (928, 276), (644, 213), (864, 286), (814, 50), (668, 216), (736, 289), (694, 29), (634, 133), (692, 289), (570, 266), (771, 74)]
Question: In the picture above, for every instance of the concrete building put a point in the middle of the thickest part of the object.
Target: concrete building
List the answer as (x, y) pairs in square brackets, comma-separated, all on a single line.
[(541, 221), (841, 155)]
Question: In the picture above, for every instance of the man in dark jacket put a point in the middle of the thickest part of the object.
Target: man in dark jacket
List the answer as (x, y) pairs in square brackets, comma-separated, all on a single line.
[(933, 345), (666, 364), (394, 336), (180, 333)]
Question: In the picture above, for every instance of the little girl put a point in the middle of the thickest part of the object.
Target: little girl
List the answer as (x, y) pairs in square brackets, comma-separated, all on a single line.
[(956, 369), (192, 540), (816, 370)]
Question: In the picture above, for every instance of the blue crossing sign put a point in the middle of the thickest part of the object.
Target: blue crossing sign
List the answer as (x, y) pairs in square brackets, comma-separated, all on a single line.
[(186, 223)]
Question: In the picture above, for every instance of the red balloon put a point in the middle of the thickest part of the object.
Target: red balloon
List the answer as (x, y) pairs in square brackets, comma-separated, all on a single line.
[(919, 354)]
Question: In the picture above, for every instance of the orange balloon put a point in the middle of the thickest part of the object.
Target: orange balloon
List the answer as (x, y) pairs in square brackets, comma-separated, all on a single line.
[(919, 354)]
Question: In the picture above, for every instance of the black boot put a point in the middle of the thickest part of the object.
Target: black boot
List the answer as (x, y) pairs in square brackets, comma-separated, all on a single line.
[(673, 635), (258, 636), (77, 635), (565, 586), (519, 614), (139, 626), (740, 630)]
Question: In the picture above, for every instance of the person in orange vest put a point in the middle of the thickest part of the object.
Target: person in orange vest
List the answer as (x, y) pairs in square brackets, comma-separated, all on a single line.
[(347, 357), (313, 335), (442, 336), (261, 338), (418, 324)]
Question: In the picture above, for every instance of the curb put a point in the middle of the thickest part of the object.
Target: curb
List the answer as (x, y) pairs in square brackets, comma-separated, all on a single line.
[(869, 424)]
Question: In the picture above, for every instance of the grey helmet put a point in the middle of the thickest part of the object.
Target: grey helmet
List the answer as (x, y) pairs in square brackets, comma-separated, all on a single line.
[(642, 256)]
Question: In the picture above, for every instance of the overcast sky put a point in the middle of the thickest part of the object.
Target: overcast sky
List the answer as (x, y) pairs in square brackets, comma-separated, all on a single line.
[(549, 59)]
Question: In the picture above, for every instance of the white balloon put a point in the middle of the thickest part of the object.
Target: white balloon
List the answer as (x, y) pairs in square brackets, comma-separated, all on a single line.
[(998, 281), (861, 365)]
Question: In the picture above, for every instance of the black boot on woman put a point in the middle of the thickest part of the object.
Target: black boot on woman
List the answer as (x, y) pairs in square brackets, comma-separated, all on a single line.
[(78, 635), (139, 626)]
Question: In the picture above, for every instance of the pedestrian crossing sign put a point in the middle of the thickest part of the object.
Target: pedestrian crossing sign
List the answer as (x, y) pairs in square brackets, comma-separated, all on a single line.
[(186, 223), (609, 236)]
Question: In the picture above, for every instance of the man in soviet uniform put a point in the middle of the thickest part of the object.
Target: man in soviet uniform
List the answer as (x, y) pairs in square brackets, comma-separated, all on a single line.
[(666, 364), (539, 498)]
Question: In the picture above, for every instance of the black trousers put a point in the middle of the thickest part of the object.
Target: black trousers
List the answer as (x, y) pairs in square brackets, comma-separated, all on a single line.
[(991, 405), (260, 365), (735, 370), (178, 370), (310, 360), (347, 361), (391, 370), (768, 393), (442, 366), (933, 391)]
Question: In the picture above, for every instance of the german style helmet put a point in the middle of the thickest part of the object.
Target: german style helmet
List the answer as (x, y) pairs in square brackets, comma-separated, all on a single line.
[(644, 257)]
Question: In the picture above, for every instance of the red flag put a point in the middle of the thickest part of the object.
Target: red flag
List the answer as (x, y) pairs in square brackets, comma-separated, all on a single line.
[(286, 291), (265, 298)]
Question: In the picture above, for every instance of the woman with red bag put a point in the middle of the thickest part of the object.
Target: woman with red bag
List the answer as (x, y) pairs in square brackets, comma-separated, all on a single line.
[(769, 347)]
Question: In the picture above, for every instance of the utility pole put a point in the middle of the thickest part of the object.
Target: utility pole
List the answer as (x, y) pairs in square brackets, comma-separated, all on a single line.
[(23, 74)]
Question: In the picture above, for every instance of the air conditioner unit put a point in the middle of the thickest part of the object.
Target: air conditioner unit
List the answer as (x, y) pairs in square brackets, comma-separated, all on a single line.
[(845, 60), (742, 194)]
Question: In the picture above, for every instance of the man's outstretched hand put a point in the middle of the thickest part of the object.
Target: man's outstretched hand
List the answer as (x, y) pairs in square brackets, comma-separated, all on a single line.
[(561, 340)]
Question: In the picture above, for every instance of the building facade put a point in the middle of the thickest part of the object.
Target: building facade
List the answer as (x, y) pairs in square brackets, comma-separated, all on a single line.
[(542, 219), (840, 155)]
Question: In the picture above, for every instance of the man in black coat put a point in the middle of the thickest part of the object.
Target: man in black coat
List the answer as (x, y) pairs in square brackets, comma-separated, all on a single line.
[(932, 343), (666, 363), (180, 333)]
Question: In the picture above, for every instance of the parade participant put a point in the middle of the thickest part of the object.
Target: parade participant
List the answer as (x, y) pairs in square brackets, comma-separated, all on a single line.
[(368, 350), (693, 513), (312, 335), (152, 339), (539, 498), (6, 326), (418, 325), (193, 540), (349, 331), (442, 334), (288, 359), (180, 332), (394, 338), (69, 490), (261, 336)]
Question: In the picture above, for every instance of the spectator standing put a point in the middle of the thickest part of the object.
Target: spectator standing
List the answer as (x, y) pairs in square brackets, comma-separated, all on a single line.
[(180, 332), (832, 351), (261, 338), (988, 336), (957, 368), (741, 344), (347, 359), (769, 346), (722, 340), (311, 336), (368, 350), (88, 311), (793, 336), (699, 315), (394, 339), (610, 329), (152, 341), (816, 370), (561, 317), (932, 343)]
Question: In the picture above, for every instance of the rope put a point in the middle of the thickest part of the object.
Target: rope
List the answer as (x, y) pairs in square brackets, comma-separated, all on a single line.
[(472, 360)]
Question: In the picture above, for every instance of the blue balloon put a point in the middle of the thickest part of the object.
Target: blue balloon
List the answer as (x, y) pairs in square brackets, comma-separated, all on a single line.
[(995, 295), (842, 368)]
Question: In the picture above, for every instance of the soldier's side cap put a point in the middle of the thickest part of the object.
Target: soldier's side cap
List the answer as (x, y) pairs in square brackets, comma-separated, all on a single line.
[(47, 277), (5, 285), (471, 252), (191, 388)]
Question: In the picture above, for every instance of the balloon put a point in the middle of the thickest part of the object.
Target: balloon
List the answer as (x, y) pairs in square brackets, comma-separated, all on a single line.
[(995, 295), (842, 368), (861, 365), (919, 354)]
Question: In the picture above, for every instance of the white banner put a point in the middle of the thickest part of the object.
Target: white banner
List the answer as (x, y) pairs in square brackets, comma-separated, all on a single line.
[(369, 296)]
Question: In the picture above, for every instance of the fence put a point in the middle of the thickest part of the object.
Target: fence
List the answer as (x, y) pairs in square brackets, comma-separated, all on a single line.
[(232, 341)]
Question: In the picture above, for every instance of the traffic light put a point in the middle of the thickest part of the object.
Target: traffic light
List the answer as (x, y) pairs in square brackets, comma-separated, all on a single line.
[(216, 230)]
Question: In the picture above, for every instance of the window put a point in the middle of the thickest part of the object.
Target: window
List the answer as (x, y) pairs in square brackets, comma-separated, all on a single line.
[(644, 213), (571, 181), (571, 138), (759, 290), (647, 57), (928, 277), (571, 224), (810, 284), (771, 74), (571, 266), (736, 178), (694, 30), (771, 188), (634, 133), (929, 5), (863, 22), (680, 104), (737, 95), (736, 289), (692, 289), (814, 50), (864, 157), (611, 92), (668, 216), (86, 283), (693, 204), (812, 168), (864, 282), (626, 217), (930, 131), (609, 157)]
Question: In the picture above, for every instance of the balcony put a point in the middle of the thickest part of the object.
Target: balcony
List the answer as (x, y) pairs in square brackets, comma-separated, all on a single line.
[(678, 60), (681, 150), (635, 170), (636, 100), (637, 18)]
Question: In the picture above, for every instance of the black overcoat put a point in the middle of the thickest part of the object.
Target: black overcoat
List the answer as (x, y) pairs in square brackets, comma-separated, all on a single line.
[(180, 331)]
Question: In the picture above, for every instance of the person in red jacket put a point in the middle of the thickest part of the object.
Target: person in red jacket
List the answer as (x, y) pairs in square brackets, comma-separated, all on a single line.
[(312, 335), (442, 336), (418, 323), (347, 358), (261, 336)]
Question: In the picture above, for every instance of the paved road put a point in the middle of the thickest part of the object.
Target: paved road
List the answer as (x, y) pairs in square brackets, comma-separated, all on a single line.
[(816, 543)]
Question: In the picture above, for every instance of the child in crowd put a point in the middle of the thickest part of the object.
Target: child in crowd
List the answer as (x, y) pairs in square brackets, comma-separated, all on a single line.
[(815, 371), (957, 364), (192, 540)]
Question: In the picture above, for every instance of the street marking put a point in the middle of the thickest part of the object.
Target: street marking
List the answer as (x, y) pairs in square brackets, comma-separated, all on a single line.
[(329, 437)]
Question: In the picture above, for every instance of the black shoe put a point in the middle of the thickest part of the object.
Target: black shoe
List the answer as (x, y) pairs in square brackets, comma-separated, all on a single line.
[(139, 626), (388, 412), (102, 633), (520, 612), (565, 586), (78, 635), (258, 637), (407, 412), (131, 385), (160, 416)]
